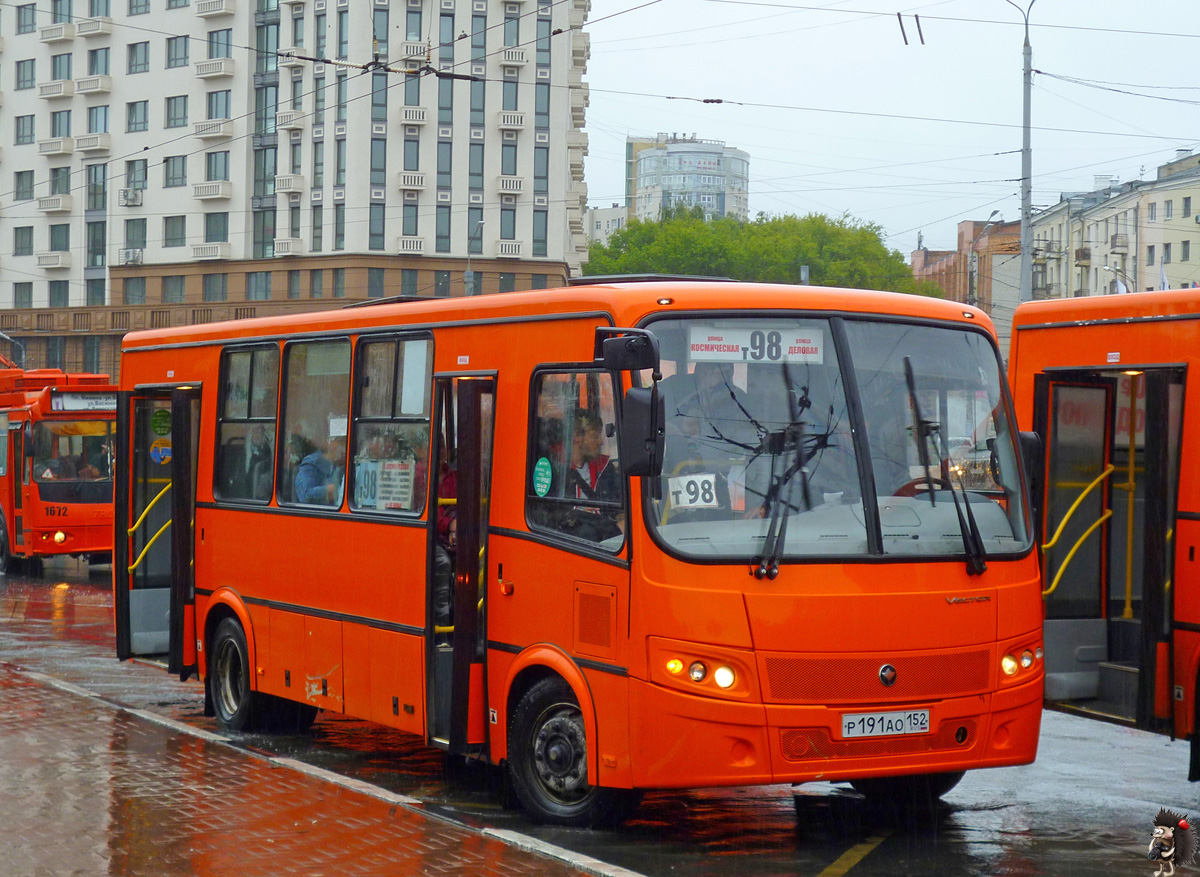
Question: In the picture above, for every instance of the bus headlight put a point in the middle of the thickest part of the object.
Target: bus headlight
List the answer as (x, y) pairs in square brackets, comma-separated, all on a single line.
[(60, 537), (1009, 665), (724, 677), (697, 671), (1027, 659)]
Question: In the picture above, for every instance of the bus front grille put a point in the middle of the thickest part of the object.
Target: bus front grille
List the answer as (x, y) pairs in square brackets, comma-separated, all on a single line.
[(837, 679), (802, 744)]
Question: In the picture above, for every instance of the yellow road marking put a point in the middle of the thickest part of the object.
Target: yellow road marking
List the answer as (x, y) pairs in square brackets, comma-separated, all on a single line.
[(853, 856)]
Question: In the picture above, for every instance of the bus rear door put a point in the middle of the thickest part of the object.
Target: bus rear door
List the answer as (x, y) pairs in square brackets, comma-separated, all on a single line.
[(154, 596)]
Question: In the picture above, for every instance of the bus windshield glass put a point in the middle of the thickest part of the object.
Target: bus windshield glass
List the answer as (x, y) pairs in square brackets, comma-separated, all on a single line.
[(767, 456), (72, 451)]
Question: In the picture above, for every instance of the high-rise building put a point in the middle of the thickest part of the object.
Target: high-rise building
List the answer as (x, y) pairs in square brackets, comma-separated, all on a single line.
[(677, 170), (179, 161)]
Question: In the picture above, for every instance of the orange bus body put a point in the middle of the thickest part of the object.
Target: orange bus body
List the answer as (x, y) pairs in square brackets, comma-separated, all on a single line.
[(56, 494), (1081, 372), (334, 604)]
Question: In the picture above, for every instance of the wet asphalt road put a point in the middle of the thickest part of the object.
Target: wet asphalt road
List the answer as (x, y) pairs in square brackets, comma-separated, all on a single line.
[(1084, 808)]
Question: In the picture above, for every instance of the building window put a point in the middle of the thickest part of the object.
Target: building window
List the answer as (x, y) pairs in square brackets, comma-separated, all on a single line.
[(1168, 209), (340, 96), (60, 11), (220, 43), (60, 238), (139, 58), (216, 166), (412, 25), (216, 287), (97, 186), (318, 170), (24, 129), (218, 104), (173, 289), (508, 159), (26, 73), (174, 231), (319, 35), (1150, 254), (441, 284), (445, 156), (343, 34), (177, 4), (442, 229), (266, 105), (177, 51), (475, 166), (542, 52), (318, 228), (475, 230), (408, 281), (98, 62), (266, 44), (23, 240), (412, 89), (339, 226), (512, 31), (479, 38), (91, 354), (508, 223), (539, 232), (1151, 211), (339, 282), (339, 155), (135, 174), (378, 161), (216, 228), (134, 291), (174, 171), (23, 295), (538, 281), (316, 283), (27, 18), (99, 8), (1166, 257), (294, 221), (446, 37), (380, 31), (379, 86), (137, 115), (375, 233), (60, 181), (445, 101), (139, 7), (98, 120), (60, 66), (55, 349), (412, 154), (95, 296), (298, 92), (375, 285), (541, 105), (258, 286), (135, 234), (293, 287), (177, 111), (60, 123), (508, 281), (23, 186), (477, 89), (296, 162), (509, 95), (541, 168), (264, 171), (409, 220), (1185, 251), (263, 241)]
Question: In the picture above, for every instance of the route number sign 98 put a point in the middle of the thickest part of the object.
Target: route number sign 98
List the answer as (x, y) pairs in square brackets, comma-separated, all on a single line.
[(756, 345)]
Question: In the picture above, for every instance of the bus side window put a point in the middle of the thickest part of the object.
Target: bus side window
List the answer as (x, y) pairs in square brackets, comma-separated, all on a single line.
[(316, 405), (245, 463), (575, 487)]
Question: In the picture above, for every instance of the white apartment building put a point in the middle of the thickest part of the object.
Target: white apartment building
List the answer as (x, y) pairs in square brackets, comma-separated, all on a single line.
[(602, 222), (675, 170), (166, 162)]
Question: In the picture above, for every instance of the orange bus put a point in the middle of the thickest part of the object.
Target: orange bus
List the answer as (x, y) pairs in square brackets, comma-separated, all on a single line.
[(616, 537), (1104, 381), (56, 455)]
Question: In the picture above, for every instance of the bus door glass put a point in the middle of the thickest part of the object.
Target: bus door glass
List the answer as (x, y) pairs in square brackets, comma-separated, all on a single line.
[(152, 562), (458, 703), (1075, 419)]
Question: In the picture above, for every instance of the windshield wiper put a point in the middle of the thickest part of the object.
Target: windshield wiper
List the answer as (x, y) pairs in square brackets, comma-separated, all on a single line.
[(791, 437), (972, 541)]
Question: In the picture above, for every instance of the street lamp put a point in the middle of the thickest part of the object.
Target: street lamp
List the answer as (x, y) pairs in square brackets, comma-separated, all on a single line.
[(15, 343), (469, 275), (1129, 284), (973, 278)]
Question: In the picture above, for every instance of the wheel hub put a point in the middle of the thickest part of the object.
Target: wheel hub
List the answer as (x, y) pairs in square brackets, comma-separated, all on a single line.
[(560, 757)]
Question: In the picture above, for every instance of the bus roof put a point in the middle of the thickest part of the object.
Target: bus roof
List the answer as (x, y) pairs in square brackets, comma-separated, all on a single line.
[(626, 303), (1102, 308)]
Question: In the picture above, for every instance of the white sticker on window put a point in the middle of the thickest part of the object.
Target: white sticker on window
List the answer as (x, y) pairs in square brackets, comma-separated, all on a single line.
[(692, 491), (756, 345)]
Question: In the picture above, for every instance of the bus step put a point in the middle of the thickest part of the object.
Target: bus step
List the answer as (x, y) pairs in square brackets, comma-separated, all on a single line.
[(1119, 687)]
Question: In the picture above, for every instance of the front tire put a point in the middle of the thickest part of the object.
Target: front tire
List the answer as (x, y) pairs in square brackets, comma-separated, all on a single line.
[(919, 791), (236, 706), (547, 748)]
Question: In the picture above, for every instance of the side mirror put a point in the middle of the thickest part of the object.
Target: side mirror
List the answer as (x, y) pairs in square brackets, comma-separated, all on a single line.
[(1033, 456), (626, 349), (28, 439), (643, 415)]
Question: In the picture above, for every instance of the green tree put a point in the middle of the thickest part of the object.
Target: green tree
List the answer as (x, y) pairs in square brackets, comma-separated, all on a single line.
[(769, 249)]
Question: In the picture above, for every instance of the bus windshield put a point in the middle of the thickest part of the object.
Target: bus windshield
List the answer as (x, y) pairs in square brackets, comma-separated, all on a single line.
[(766, 454), (72, 451)]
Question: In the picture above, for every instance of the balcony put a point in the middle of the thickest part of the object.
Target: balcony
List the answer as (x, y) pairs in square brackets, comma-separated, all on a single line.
[(507, 120), (213, 8), (129, 197), (1083, 256), (212, 190), (57, 89), (412, 181), (1054, 249), (93, 85), (410, 245), (129, 256), (54, 260), (57, 33), (287, 183), (211, 251), (514, 57), (289, 247), (509, 185), (56, 146), (285, 61), (1119, 244), (290, 120), (419, 51), (295, 4), (93, 142), (413, 116), (214, 67), (508, 249), (213, 129), (93, 27), (56, 204)]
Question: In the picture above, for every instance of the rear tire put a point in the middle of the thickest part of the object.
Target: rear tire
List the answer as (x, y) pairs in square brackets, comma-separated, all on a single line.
[(547, 748), (237, 707), (919, 791), (6, 558)]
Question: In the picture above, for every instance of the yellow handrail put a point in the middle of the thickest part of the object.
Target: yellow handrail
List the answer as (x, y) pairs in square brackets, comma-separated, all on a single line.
[(153, 539), (1066, 560), (1079, 499), (147, 511)]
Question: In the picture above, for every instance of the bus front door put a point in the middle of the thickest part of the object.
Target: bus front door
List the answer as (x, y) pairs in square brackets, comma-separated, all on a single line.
[(465, 412), (154, 591)]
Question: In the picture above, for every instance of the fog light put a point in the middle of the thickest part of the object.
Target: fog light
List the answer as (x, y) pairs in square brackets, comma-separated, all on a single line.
[(1027, 659), (1009, 665), (724, 677), (674, 666), (1038, 654), (60, 537), (697, 671)]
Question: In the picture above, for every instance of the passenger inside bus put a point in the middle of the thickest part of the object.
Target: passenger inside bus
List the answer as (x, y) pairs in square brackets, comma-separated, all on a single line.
[(444, 548), (320, 476)]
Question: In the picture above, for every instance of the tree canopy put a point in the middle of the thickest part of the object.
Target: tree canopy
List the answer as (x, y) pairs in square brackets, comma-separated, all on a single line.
[(769, 249)]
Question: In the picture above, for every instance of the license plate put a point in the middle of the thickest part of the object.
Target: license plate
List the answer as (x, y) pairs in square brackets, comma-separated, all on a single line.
[(885, 724)]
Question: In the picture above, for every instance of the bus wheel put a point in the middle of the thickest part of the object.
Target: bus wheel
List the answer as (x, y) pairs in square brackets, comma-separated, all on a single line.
[(920, 791), (236, 705), (6, 558), (548, 761)]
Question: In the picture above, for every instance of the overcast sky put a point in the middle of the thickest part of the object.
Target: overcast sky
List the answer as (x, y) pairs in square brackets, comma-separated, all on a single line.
[(839, 116)]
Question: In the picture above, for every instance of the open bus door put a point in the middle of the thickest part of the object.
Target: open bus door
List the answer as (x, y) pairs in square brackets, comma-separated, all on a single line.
[(465, 411), (154, 589), (1111, 455)]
